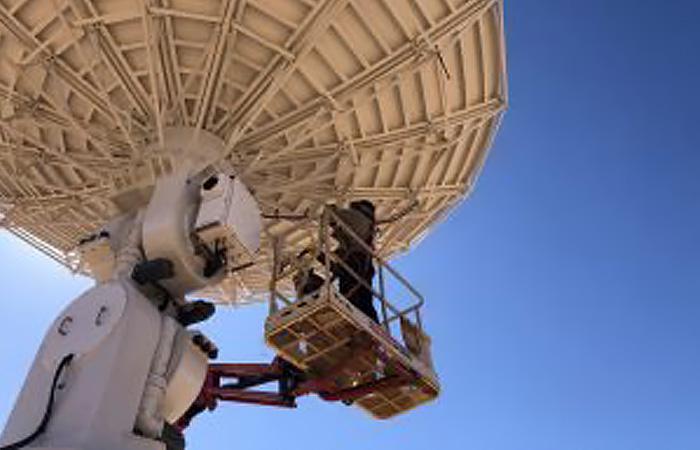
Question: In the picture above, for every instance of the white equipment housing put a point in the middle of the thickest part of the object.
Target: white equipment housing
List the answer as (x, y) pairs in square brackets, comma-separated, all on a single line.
[(229, 214), (224, 215), (134, 366), (114, 333)]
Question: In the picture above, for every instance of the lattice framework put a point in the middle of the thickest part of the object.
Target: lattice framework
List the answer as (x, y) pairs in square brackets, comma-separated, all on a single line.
[(317, 101)]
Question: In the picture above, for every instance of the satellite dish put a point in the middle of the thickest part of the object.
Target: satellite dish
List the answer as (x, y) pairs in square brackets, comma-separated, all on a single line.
[(313, 102), (169, 146)]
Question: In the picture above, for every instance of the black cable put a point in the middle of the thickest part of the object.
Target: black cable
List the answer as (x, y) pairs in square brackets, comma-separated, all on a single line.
[(290, 217), (400, 215), (240, 267), (49, 407)]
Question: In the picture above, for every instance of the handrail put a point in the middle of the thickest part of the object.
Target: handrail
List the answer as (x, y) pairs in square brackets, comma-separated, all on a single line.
[(382, 263), (389, 312), (381, 260)]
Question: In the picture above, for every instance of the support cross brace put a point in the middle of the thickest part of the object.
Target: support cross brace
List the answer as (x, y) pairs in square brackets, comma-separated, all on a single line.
[(291, 384)]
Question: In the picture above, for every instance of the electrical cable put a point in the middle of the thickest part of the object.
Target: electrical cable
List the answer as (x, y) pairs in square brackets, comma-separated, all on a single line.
[(49, 407), (400, 215), (290, 217)]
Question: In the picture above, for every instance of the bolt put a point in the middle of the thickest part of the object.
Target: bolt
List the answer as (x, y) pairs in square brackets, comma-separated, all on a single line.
[(198, 340), (64, 326), (101, 315)]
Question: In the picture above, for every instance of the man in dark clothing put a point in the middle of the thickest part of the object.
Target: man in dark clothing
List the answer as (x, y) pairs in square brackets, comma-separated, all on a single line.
[(351, 287), (359, 217), (307, 282)]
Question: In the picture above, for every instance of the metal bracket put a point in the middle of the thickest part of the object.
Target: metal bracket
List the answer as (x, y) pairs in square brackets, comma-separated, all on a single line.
[(291, 384)]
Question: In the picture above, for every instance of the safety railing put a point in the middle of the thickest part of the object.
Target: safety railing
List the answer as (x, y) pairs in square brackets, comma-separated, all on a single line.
[(323, 260)]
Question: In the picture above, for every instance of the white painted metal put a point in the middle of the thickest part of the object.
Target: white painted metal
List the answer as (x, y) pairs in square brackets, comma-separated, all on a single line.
[(149, 420), (168, 223), (186, 373), (134, 368), (313, 102), (84, 324), (228, 213), (103, 387), (186, 211)]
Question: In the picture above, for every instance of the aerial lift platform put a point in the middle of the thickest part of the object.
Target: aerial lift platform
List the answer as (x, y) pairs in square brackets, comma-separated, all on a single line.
[(329, 338), (325, 335), (329, 347)]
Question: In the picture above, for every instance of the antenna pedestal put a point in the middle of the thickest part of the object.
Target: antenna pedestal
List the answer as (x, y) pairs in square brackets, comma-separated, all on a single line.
[(117, 366), (113, 331)]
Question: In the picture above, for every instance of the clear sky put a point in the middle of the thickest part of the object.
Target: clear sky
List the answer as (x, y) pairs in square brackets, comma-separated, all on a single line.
[(563, 297)]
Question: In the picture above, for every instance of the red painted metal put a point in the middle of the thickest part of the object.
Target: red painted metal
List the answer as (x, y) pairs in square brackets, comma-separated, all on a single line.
[(253, 397), (291, 385)]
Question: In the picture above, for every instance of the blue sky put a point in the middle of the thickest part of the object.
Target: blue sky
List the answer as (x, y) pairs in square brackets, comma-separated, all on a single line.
[(562, 297)]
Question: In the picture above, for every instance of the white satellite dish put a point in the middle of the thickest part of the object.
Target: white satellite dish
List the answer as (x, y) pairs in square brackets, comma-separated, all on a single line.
[(165, 147), (316, 102)]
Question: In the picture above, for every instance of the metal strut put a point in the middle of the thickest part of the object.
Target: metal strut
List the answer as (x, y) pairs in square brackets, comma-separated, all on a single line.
[(232, 382)]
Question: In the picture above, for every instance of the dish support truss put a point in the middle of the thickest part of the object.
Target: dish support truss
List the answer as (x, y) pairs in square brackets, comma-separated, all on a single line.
[(317, 102)]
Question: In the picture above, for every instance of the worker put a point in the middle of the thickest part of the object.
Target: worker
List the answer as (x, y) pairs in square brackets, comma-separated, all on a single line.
[(359, 218), (307, 282), (352, 285)]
